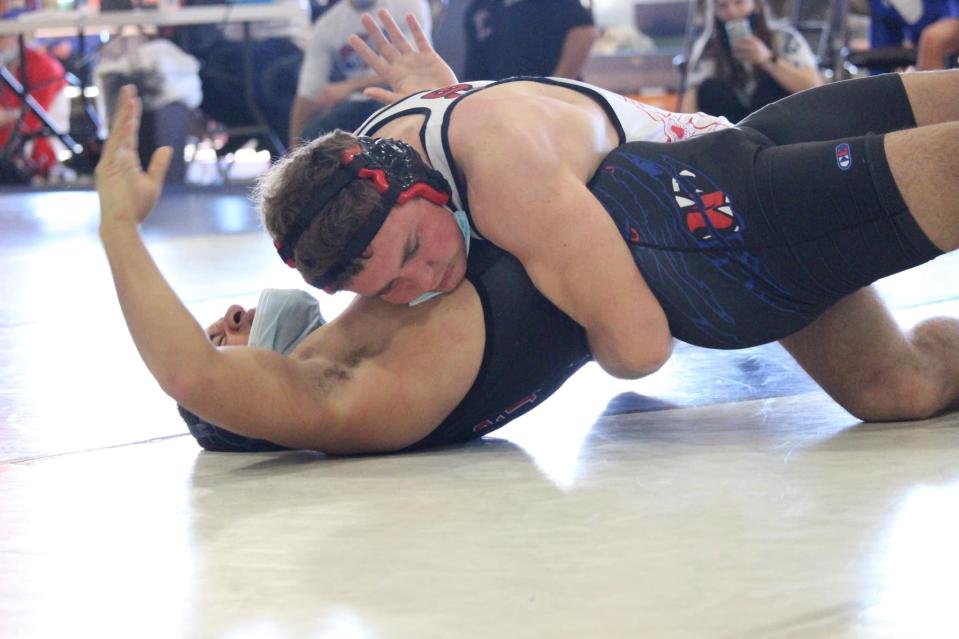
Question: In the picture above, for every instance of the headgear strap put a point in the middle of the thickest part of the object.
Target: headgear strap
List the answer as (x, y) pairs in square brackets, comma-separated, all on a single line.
[(399, 175)]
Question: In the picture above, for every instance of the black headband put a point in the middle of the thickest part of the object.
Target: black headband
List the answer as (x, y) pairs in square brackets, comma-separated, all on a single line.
[(397, 172)]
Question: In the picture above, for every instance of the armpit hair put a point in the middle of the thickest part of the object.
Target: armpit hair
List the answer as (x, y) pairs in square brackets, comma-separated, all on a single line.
[(333, 374)]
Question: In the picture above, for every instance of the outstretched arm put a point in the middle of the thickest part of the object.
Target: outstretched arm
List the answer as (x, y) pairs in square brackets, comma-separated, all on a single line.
[(253, 392), (581, 264), (530, 200), (405, 68), (337, 394)]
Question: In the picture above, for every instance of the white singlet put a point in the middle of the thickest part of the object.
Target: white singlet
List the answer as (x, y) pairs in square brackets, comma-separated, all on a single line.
[(633, 121)]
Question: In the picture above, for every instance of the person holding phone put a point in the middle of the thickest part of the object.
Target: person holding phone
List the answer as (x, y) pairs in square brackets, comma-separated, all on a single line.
[(749, 62)]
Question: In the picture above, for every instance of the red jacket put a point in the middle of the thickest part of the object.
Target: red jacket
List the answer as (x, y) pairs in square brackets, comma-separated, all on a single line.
[(45, 79)]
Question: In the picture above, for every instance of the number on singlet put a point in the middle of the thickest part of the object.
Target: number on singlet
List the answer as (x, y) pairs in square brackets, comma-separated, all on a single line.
[(449, 93)]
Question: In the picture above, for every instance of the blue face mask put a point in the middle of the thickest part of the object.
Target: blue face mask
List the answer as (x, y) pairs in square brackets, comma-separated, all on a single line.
[(283, 318), (461, 221)]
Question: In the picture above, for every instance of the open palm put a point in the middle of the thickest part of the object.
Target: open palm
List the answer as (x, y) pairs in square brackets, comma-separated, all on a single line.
[(126, 191), (405, 69)]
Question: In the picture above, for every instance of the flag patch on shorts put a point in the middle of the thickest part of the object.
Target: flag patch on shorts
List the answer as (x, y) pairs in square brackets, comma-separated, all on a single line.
[(843, 156)]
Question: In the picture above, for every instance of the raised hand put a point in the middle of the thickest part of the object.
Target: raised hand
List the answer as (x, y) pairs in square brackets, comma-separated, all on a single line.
[(127, 192), (405, 69), (751, 49)]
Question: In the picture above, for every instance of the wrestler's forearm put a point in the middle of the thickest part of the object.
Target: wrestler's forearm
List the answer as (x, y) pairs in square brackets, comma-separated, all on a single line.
[(170, 341), (629, 333)]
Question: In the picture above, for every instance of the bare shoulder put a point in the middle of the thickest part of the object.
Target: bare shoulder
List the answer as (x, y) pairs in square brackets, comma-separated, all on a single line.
[(546, 111), (513, 161), (397, 371), (522, 129), (490, 119), (494, 139)]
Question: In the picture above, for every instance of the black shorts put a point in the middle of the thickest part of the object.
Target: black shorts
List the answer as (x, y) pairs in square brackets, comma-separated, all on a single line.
[(747, 235)]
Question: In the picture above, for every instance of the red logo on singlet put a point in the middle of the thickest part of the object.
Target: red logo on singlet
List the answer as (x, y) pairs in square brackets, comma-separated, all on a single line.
[(505, 415), (449, 93)]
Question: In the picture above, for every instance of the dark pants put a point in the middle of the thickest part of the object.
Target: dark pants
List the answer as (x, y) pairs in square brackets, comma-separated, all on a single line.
[(747, 235), (166, 126), (276, 67), (716, 97), (346, 116)]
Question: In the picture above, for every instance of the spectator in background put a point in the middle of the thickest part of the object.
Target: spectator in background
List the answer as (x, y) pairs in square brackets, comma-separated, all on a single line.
[(932, 26), (26, 154), (527, 37), (322, 104), (277, 48), (748, 62)]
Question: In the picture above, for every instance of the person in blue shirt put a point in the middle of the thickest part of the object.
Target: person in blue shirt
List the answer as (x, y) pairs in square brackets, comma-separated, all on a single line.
[(932, 26)]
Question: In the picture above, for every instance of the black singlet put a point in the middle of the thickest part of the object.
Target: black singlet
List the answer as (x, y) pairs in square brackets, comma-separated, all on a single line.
[(531, 349), (747, 235)]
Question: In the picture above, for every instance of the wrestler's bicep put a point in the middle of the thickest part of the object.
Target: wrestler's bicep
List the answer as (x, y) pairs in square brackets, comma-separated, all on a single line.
[(418, 369), (575, 256), (262, 394)]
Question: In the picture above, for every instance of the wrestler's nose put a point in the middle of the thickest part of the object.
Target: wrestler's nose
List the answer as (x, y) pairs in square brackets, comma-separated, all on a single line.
[(234, 316), (418, 276)]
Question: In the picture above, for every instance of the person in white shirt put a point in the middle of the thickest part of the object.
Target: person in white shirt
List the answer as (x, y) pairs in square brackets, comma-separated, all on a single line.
[(277, 52), (323, 104)]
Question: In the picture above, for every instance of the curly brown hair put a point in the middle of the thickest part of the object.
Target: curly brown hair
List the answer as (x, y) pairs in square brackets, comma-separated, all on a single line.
[(282, 192)]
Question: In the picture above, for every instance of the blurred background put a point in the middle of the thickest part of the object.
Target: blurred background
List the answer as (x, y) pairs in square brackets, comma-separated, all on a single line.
[(232, 85)]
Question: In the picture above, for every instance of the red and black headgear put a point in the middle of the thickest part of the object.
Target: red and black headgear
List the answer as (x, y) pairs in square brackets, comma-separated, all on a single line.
[(399, 175)]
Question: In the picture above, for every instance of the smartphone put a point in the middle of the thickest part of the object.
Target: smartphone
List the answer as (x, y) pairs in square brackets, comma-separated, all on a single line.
[(736, 29)]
